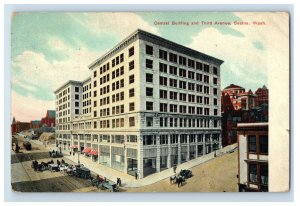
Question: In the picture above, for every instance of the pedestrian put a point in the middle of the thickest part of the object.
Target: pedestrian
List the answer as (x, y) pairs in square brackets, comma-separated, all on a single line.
[(120, 182), (70, 153), (136, 175), (174, 169), (50, 153)]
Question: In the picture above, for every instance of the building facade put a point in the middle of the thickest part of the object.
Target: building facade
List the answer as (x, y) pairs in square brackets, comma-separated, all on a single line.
[(239, 98), (49, 119), (253, 157), (149, 104), (18, 126), (35, 124)]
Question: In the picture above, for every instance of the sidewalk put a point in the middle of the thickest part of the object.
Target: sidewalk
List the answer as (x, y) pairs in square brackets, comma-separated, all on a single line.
[(130, 181)]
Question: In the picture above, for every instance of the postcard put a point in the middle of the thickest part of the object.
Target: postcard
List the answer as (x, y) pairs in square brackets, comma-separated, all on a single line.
[(150, 102)]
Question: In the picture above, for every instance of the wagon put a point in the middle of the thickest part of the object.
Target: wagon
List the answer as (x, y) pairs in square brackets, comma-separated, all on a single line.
[(186, 173), (53, 167), (82, 172), (110, 186), (27, 145)]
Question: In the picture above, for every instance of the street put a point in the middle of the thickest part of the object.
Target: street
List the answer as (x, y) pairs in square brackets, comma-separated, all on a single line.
[(216, 175)]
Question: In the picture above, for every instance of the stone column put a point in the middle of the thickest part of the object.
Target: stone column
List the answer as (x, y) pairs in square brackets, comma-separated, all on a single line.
[(211, 144), (204, 144), (98, 150), (220, 141), (179, 149), (196, 142), (169, 152), (188, 148), (125, 158), (158, 146), (140, 157)]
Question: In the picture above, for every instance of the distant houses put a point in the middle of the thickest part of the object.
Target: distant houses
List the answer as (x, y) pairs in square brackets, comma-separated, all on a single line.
[(46, 124)]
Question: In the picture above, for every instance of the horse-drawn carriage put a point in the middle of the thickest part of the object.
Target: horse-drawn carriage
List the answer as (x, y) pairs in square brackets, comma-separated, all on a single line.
[(55, 154), (42, 166), (186, 173), (27, 145), (82, 172), (103, 184)]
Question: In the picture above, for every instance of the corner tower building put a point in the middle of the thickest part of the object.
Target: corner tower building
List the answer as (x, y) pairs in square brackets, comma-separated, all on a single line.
[(148, 105)]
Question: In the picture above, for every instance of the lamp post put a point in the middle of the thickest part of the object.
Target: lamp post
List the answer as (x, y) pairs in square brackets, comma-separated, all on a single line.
[(78, 156)]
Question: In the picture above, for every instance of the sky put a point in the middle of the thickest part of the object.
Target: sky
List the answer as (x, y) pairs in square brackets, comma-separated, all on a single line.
[(48, 49)]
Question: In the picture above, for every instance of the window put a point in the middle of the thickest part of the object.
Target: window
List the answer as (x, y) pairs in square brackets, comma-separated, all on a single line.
[(163, 67), (253, 173), (191, 63), (215, 80), (172, 82), (149, 63), (173, 70), (131, 79), (163, 94), (215, 112), (163, 107), (149, 121), (76, 96), (131, 106), (131, 92), (172, 57), (252, 143), (131, 52), (95, 83), (131, 65), (149, 106), (263, 144), (76, 111), (163, 54), (131, 122), (76, 89), (76, 104), (182, 60), (215, 101), (149, 91), (198, 65), (121, 58), (215, 69), (163, 81), (95, 73), (149, 50), (149, 78)]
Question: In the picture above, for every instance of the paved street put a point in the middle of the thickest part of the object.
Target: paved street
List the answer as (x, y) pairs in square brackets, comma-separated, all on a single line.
[(215, 174)]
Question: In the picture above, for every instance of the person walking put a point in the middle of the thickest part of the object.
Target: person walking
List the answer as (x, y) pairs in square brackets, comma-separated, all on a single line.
[(136, 175)]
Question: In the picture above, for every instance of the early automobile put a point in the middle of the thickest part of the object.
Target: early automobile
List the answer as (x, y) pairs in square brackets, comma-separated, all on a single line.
[(186, 173)]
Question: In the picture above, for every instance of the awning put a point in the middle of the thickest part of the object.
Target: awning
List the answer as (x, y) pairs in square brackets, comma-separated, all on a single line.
[(74, 146), (87, 150), (93, 152)]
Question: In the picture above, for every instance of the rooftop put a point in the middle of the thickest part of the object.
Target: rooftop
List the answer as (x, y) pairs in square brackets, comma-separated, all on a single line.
[(233, 86), (141, 34), (66, 84)]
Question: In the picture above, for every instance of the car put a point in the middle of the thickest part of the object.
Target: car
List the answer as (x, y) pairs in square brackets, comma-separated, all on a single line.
[(186, 173)]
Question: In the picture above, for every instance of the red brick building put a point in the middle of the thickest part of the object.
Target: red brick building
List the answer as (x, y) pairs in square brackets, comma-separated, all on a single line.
[(262, 96), (49, 120), (18, 126), (240, 106), (239, 98)]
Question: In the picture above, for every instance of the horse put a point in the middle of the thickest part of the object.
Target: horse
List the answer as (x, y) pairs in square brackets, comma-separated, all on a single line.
[(173, 179), (180, 180)]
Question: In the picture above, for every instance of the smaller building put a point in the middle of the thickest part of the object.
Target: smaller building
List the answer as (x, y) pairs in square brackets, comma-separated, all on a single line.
[(253, 157), (49, 120), (262, 96), (239, 98), (18, 126), (35, 124)]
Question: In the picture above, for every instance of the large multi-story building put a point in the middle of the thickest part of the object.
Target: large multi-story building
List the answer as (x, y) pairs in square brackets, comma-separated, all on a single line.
[(149, 104)]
